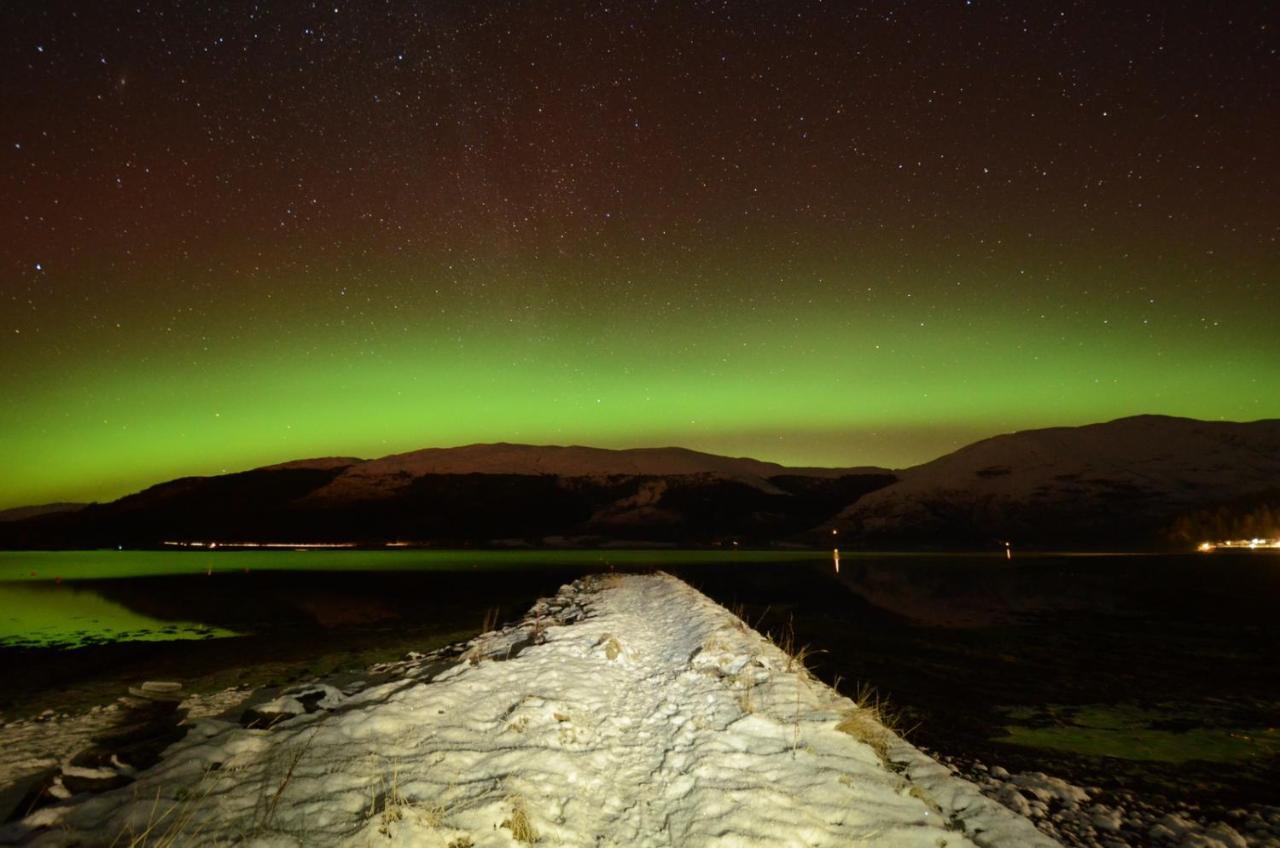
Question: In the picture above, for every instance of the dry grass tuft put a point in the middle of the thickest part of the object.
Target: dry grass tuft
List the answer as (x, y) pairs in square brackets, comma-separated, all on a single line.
[(862, 725), (800, 659), (797, 655), (518, 823), (392, 806), (432, 815), (739, 612), (920, 795), (490, 620), (745, 683), (867, 698), (787, 640), (608, 581), (168, 827), (292, 758), (390, 803), (871, 722)]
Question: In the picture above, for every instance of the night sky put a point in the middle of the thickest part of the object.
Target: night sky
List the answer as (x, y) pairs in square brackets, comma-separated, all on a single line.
[(825, 233)]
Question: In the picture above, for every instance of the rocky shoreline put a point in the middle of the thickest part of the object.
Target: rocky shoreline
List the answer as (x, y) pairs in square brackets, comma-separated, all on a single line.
[(629, 709), (1089, 817), (53, 757)]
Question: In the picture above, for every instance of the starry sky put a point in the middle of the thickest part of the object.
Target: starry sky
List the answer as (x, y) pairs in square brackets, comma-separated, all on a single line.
[(817, 233)]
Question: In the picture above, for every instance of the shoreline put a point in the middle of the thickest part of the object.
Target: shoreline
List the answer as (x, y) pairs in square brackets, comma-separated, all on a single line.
[(526, 710), (1069, 813)]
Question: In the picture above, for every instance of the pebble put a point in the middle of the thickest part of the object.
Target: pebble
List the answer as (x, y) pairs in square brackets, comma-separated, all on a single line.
[(1077, 817)]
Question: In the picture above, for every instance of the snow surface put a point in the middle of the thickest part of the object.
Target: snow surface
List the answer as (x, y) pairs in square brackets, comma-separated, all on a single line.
[(625, 711), (1173, 460)]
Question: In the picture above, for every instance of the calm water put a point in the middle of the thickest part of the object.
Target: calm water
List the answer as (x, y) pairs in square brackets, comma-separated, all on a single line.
[(63, 599), (1156, 673)]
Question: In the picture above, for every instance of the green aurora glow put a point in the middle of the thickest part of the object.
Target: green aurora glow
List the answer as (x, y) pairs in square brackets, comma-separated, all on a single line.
[(837, 234), (837, 368)]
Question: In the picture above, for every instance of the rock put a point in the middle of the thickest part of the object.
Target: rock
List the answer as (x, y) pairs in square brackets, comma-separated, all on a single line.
[(159, 691), (137, 729), (1179, 826), (144, 709), (145, 753), (78, 780), (91, 758), (318, 697), (1106, 819), (999, 772), (1049, 789), (272, 713), (149, 722), (166, 688), (1014, 800), (1225, 836), (145, 694), (26, 794)]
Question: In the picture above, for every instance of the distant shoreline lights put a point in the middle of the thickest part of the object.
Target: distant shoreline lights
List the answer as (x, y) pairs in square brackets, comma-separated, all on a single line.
[(287, 545), (1239, 544)]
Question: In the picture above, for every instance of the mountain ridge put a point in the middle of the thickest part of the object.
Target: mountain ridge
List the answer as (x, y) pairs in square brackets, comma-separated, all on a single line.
[(1095, 479), (1124, 481)]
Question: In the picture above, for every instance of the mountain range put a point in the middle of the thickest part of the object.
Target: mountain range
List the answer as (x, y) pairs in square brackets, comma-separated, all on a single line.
[(1134, 482)]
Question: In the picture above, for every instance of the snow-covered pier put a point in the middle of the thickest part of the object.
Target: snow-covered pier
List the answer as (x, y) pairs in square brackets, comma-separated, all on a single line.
[(625, 711)]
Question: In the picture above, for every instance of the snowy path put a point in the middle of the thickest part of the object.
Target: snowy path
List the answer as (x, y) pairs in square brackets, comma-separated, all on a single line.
[(632, 711)]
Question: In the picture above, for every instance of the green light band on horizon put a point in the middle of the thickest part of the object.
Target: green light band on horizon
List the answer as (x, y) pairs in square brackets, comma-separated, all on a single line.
[(840, 369)]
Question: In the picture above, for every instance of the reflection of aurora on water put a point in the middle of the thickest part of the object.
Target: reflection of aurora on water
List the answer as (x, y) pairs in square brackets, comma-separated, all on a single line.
[(66, 616)]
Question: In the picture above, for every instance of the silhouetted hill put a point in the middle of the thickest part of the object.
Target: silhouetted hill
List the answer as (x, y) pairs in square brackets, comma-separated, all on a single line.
[(20, 513), (1125, 482), (478, 494), (1141, 481)]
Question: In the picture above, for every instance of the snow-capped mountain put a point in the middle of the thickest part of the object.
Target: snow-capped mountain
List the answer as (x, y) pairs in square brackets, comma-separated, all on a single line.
[(1114, 482)]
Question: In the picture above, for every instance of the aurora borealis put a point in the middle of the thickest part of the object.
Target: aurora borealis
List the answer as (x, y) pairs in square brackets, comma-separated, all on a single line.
[(810, 233)]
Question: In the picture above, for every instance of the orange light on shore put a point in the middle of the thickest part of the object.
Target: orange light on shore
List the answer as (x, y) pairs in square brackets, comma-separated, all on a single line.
[(1240, 544), (283, 545)]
